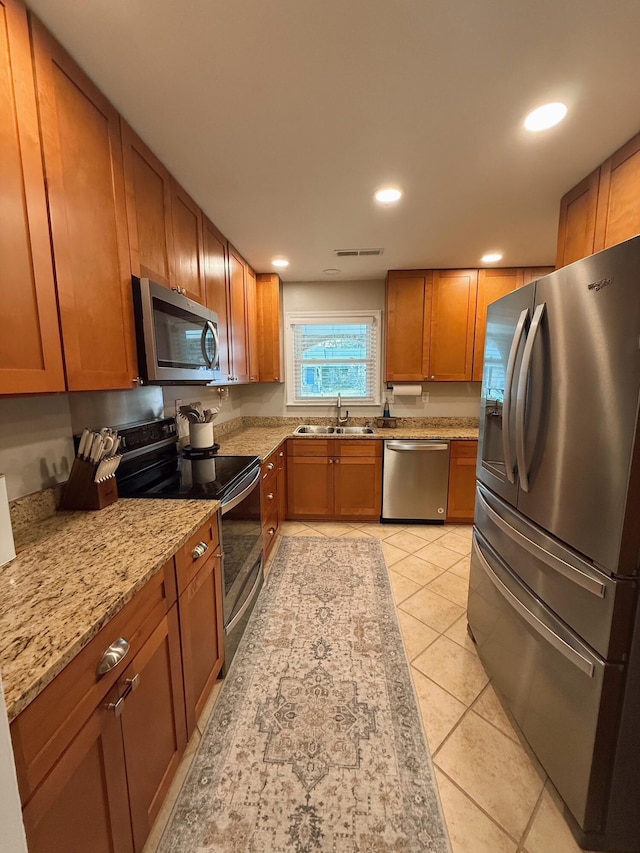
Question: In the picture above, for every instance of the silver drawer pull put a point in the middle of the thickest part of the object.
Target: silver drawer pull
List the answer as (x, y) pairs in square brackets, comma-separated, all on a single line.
[(117, 707), (112, 656), (270, 466), (200, 549), (270, 496), (271, 531)]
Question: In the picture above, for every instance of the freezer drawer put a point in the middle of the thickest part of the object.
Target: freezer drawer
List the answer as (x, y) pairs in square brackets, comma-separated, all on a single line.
[(415, 480), (564, 697), (599, 608)]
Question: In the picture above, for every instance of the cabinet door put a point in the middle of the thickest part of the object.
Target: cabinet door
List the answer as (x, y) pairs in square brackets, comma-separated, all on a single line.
[(492, 284), (216, 280), (310, 487), (237, 319), (83, 803), (577, 225), (282, 484), (408, 307), (618, 213), (202, 637), (462, 481), (153, 723), (186, 219), (530, 274), (452, 325), (148, 192), (270, 356), (83, 163), (251, 309), (358, 488), (30, 347)]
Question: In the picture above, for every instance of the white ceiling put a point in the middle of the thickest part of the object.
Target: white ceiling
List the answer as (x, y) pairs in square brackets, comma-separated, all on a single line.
[(281, 117)]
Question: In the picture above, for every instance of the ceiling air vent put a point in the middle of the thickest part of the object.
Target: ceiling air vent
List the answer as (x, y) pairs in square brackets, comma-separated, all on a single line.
[(354, 253)]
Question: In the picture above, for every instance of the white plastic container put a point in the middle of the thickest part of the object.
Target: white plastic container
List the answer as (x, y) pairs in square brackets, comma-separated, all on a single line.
[(7, 547), (201, 435)]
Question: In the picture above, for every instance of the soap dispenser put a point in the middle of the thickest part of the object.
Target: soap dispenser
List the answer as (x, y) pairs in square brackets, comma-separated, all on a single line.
[(386, 413)]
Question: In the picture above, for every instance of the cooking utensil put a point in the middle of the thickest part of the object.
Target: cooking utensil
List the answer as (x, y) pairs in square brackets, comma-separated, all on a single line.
[(191, 414)]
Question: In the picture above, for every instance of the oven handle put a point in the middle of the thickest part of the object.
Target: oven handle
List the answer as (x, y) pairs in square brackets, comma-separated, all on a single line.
[(236, 499), (248, 600)]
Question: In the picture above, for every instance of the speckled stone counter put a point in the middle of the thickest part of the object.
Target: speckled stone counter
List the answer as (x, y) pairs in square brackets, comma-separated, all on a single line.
[(261, 439), (73, 572)]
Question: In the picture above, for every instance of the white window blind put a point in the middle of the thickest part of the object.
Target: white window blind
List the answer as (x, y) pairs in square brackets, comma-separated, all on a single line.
[(333, 352)]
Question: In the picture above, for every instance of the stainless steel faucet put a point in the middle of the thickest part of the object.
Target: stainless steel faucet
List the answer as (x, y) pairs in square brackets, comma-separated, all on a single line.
[(339, 420)]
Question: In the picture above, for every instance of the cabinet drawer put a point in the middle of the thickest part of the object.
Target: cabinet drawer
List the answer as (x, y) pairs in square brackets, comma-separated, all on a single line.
[(464, 448), (310, 447), (45, 728), (358, 447), (196, 551)]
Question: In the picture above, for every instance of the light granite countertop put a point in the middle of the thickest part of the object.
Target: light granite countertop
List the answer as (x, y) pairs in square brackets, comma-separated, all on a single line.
[(73, 572), (261, 440)]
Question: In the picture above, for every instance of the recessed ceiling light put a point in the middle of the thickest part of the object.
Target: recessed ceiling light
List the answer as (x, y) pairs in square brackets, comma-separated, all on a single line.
[(280, 262), (545, 116), (388, 195), (491, 257), (331, 271)]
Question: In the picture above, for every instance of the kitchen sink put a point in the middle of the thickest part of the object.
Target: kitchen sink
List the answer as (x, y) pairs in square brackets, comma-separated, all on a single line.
[(308, 429)]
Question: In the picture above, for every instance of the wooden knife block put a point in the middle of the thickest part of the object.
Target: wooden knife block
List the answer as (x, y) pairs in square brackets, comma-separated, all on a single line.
[(81, 492)]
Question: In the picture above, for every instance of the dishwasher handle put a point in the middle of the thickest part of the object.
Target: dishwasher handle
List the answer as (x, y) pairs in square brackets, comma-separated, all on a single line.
[(422, 445)]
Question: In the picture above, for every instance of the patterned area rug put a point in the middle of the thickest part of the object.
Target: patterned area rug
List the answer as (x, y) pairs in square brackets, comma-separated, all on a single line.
[(315, 743)]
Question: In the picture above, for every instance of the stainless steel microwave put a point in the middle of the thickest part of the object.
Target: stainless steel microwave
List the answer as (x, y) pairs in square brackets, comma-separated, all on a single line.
[(177, 338)]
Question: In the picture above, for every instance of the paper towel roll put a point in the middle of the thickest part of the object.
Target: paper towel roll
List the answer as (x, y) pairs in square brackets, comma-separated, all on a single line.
[(406, 390), (7, 549)]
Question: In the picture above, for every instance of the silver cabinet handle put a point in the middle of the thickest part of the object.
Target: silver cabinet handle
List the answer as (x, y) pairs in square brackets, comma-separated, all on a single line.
[(200, 549), (531, 619), (521, 396), (270, 466), (506, 405), (271, 531), (117, 707), (270, 496), (112, 656)]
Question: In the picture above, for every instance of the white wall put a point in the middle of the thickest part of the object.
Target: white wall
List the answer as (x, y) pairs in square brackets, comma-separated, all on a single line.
[(11, 827), (446, 399)]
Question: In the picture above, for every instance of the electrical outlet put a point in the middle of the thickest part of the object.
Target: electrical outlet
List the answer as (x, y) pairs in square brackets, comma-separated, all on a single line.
[(425, 396), (223, 393), (178, 404)]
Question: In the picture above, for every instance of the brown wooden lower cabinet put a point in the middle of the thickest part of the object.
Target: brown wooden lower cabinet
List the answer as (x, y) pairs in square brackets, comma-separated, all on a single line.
[(462, 481), (202, 633), (334, 479), (273, 496), (83, 803)]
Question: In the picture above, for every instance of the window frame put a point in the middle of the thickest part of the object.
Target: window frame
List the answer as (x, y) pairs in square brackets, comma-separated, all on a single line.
[(293, 318)]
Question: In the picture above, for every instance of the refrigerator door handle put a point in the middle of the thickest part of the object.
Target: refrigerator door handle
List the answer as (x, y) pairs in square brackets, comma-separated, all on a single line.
[(506, 405), (574, 657), (521, 396), (570, 572)]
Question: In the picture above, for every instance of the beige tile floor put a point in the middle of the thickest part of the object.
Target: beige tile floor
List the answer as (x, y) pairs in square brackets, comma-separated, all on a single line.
[(495, 796)]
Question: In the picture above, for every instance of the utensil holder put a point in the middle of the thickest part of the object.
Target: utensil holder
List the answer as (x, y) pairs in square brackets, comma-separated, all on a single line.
[(81, 492), (201, 435)]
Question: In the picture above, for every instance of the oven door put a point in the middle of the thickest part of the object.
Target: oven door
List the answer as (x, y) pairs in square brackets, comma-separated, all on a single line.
[(242, 558), (177, 337)]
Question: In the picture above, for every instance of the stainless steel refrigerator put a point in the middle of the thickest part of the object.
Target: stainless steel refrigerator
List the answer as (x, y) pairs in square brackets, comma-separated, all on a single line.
[(553, 597)]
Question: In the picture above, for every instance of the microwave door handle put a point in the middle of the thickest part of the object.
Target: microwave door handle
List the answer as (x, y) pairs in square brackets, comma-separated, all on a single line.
[(208, 327), (506, 405), (216, 344), (521, 396)]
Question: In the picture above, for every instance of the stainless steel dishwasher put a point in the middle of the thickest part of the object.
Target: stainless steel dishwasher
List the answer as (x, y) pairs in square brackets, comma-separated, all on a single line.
[(415, 480)]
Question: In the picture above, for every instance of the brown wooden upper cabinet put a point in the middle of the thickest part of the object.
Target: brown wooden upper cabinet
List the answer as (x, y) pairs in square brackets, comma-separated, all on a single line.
[(251, 314), (216, 282), (270, 325), (492, 284), (148, 192), (603, 209), (188, 248), (618, 214), (530, 274), (30, 348), (408, 310), (238, 331), (80, 133), (453, 315), (430, 325), (577, 226)]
